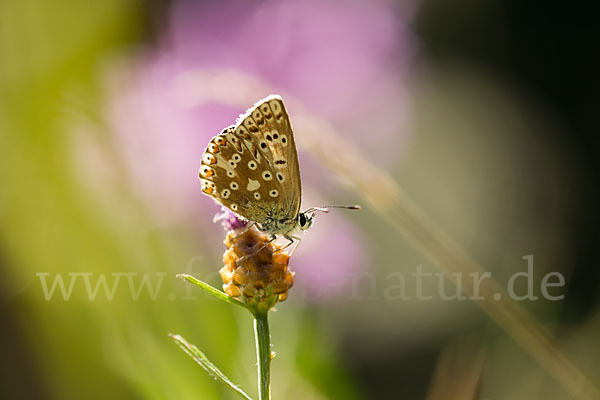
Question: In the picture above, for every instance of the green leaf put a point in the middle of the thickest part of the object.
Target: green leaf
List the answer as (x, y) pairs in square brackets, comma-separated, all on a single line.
[(211, 290), (205, 363)]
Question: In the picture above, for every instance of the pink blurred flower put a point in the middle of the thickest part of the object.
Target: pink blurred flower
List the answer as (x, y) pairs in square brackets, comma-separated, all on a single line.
[(345, 61)]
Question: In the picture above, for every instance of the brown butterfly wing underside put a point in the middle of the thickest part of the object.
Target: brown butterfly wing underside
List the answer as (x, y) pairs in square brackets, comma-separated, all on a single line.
[(252, 167)]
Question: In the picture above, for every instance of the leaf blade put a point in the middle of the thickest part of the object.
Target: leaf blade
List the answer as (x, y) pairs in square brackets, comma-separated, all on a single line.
[(211, 290), (201, 359)]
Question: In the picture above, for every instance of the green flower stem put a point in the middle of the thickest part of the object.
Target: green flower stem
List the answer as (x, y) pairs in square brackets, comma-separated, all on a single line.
[(263, 354), (259, 310)]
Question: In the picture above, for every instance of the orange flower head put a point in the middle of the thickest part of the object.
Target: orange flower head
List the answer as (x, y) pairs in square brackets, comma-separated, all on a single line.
[(255, 271)]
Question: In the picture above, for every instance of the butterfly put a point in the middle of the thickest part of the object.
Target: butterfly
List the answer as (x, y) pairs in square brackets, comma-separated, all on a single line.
[(252, 169)]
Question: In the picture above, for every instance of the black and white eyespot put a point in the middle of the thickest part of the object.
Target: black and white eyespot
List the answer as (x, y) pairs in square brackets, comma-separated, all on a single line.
[(275, 135), (208, 184), (280, 177), (230, 174), (266, 111), (267, 176), (233, 140), (252, 165), (225, 193), (232, 163), (273, 193), (234, 186), (258, 117), (269, 137), (236, 157), (206, 172), (242, 131), (257, 195), (209, 159), (220, 140), (283, 140), (275, 106), (234, 207), (263, 145)]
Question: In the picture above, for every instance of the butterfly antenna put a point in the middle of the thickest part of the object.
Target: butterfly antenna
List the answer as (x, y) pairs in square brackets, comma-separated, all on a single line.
[(325, 209)]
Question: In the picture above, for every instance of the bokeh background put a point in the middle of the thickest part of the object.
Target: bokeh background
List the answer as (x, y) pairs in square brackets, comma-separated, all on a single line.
[(485, 113)]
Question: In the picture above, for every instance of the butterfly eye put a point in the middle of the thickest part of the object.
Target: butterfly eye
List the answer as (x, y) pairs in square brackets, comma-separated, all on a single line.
[(273, 193), (283, 140), (266, 175), (302, 219), (234, 185), (257, 195), (237, 158), (252, 165), (225, 193), (280, 177)]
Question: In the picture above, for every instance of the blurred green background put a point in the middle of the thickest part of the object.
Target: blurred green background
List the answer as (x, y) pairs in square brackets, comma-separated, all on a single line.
[(487, 113)]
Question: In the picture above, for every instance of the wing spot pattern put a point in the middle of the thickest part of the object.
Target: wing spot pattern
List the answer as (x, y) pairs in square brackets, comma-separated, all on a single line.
[(252, 185)]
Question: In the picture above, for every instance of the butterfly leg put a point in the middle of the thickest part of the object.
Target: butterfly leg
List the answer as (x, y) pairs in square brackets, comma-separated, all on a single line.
[(291, 239), (298, 240), (272, 238)]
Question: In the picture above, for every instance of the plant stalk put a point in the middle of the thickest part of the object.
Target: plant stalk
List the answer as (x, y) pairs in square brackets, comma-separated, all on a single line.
[(263, 354)]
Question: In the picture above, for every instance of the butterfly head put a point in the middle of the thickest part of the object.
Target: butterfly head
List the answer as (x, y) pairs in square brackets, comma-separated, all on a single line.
[(305, 220)]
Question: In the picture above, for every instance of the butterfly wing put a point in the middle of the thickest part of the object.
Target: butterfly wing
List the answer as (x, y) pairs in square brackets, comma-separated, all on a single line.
[(252, 168), (266, 129)]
